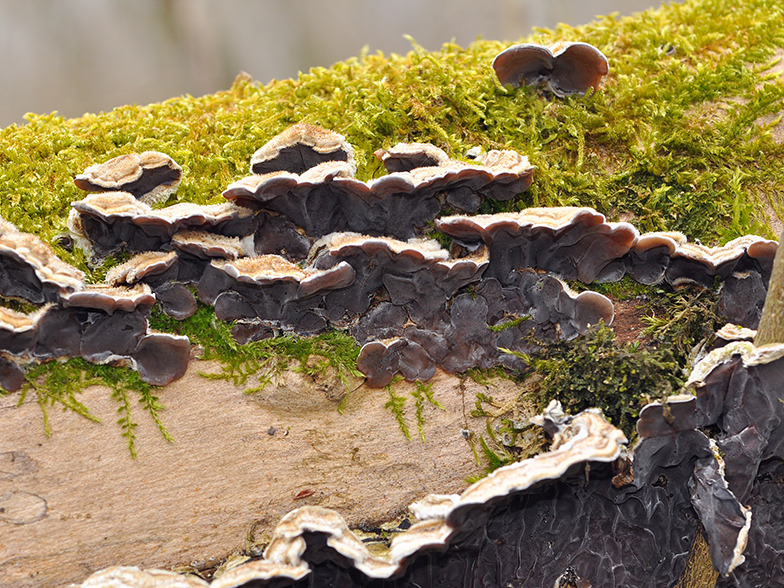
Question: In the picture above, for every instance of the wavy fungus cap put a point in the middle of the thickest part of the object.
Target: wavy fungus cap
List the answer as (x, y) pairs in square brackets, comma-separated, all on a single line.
[(150, 176), (299, 148), (563, 68)]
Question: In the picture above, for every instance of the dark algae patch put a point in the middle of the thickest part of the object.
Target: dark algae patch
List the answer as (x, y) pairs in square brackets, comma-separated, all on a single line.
[(679, 138)]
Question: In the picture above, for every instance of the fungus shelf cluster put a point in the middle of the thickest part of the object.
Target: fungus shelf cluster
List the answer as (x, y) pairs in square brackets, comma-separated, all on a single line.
[(305, 246), (98, 322), (287, 252)]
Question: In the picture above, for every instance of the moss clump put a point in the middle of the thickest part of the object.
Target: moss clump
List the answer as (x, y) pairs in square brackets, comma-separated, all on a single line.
[(684, 321), (267, 358), (594, 371)]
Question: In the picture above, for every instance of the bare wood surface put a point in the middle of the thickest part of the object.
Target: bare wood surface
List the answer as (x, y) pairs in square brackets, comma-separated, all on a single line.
[(77, 502)]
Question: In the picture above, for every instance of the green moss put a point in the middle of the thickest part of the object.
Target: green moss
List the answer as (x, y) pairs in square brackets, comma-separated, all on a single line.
[(59, 384), (675, 139), (684, 321), (594, 371), (422, 393), (331, 351), (624, 289), (396, 404)]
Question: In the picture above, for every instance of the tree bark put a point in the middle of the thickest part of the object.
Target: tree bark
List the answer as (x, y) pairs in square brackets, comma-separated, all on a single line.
[(771, 326)]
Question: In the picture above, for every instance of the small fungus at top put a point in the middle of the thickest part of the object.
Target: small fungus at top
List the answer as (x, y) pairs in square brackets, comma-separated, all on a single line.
[(562, 68)]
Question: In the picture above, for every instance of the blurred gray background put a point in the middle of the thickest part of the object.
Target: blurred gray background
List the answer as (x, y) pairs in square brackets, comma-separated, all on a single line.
[(77, 56)]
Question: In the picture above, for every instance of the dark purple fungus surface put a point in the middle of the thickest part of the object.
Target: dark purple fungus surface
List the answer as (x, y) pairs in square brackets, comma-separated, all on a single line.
[(279, 236), (161, 358), (742, 298), (563, 68), (106, 223), (59, 334), (407, 156), (738, 392), (150, 176), (30, 270), (176, 300), (273, 290), (574, 243), (327, 198), (12, 377), (417, 275), (105, 336), (299, 148), (18, 331), (725, 520), (764, 555)]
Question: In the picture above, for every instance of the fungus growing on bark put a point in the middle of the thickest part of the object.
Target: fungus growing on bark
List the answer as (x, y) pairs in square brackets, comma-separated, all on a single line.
[(30, 270), (381, 360), (211, 245), (733, 332), (161, 358), (574, 243), (417, 274), (109, 222), (150, 176), (111, 298), (18, 331), (272, 289), (278, 235), (299, 148), (407, 156), (725, 520), (562, 68), (738, 391), (164, 272), (743, 298), (327, 198), (110, 336), (12, 377), (695, 264), (141, 267), (59, 333)]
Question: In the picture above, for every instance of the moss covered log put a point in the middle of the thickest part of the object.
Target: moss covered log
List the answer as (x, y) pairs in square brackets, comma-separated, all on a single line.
[(684, 135)]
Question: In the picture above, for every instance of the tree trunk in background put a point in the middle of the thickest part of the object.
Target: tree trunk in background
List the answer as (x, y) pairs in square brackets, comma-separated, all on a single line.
[(771, 326)]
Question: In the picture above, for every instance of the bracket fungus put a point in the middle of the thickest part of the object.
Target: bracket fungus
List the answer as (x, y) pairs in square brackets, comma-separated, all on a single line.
[(737, 390), (303, 245), (574, 243), (109, 222), (271, 289), (30, 270), (407, 156), (150, 176), (562, 68), (327, 198), (301, 147)]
